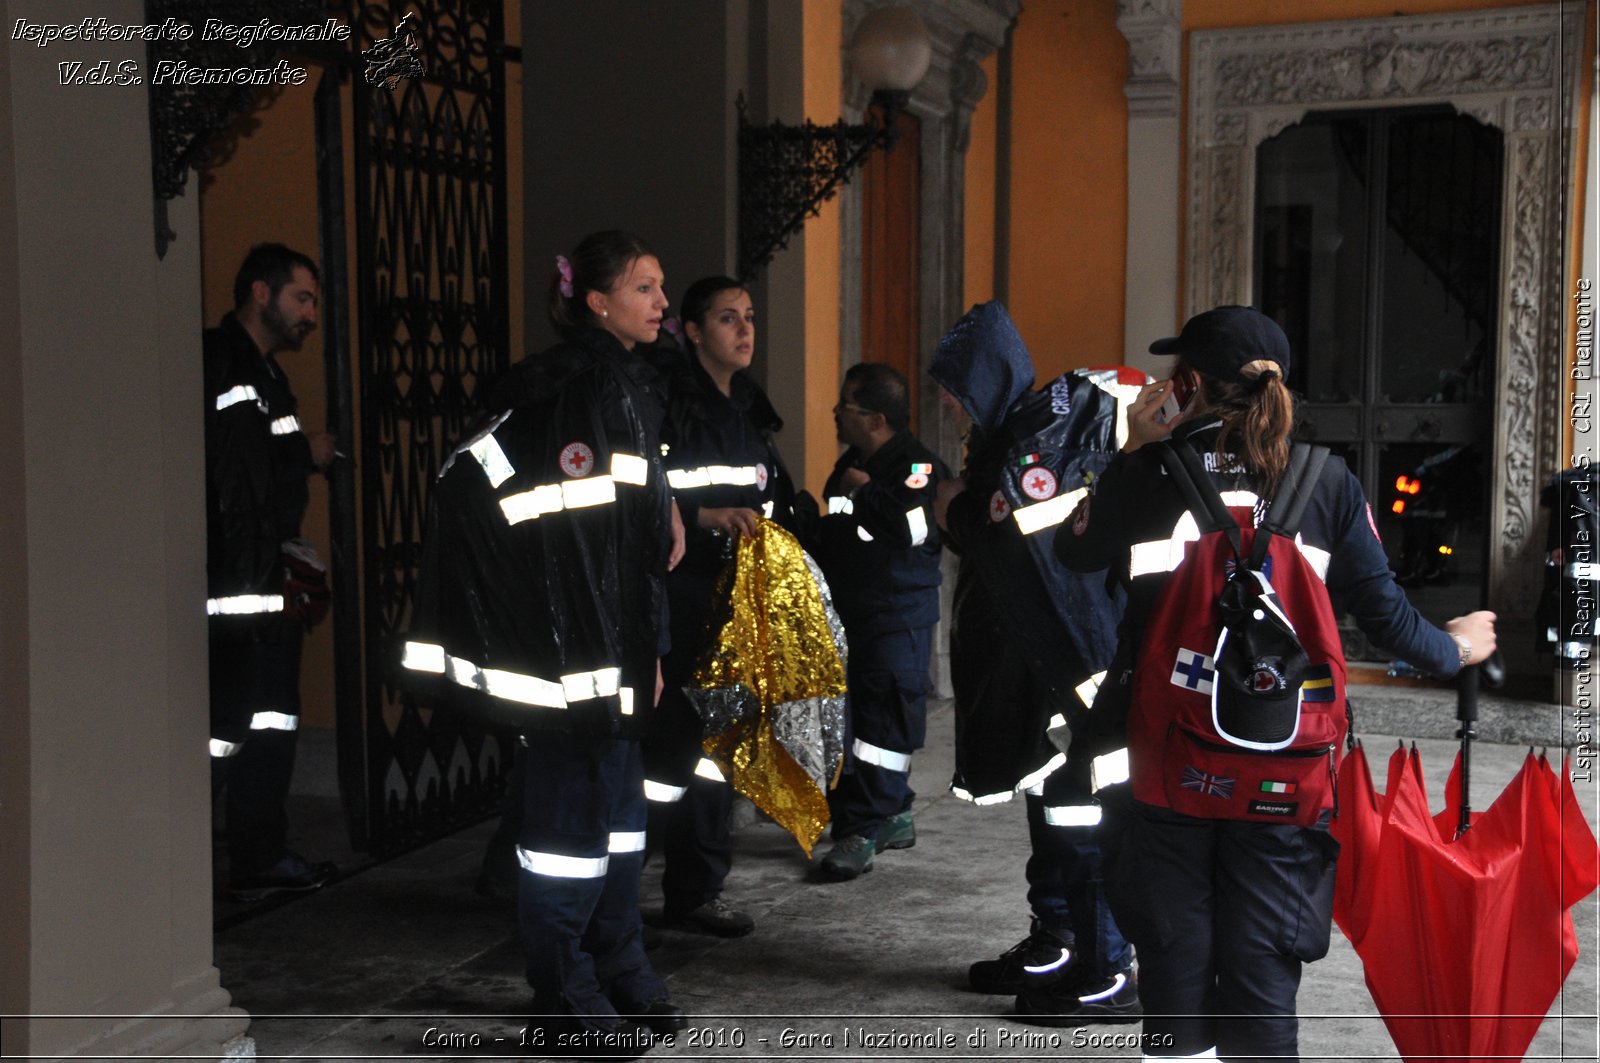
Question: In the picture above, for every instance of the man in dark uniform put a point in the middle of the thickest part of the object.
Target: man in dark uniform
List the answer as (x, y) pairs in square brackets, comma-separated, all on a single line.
[(257, 459), (879, 548)]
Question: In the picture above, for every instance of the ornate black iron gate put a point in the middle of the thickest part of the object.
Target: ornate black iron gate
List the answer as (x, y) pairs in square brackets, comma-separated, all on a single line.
[(431, 324)]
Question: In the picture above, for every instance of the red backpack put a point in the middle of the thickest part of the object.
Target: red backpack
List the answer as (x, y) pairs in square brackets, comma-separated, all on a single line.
[(1239, 691)]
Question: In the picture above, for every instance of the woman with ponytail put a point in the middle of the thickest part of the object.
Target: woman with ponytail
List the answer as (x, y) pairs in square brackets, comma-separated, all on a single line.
[(1223, 912), (541, 609)]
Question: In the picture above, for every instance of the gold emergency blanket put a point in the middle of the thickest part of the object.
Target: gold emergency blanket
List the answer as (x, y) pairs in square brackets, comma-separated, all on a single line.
[(772, 687)]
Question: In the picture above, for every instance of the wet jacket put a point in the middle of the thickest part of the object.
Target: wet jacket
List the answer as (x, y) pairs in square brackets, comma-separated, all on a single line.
[(719, 452), (257, 461), (540, 595), (1132, 524), (1030, 456), (878, 545)]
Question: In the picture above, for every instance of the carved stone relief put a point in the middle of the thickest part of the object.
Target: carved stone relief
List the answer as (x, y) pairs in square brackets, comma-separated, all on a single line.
[(1155, 50), (1510, 68)]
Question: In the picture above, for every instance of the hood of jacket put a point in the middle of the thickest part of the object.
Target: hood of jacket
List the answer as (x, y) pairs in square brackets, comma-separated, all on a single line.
[(983, 362)]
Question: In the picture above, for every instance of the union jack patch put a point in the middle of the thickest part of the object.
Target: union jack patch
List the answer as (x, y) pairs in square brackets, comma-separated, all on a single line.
[(1231, 565), (1206, 783)]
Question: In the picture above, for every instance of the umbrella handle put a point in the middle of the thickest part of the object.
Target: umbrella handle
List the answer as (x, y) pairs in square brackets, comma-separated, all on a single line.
[(1491, 673)]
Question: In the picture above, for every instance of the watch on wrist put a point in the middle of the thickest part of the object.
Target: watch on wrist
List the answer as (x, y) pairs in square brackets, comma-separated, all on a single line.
[(1464, 644)]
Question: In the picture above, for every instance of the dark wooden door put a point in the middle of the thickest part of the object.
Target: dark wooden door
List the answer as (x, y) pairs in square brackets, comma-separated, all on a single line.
[(891, 195)]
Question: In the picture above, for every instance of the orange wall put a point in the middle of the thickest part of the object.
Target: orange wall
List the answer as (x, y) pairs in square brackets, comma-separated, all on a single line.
[(1068, 172), (979, 194), (824, 71), (1219, 14)]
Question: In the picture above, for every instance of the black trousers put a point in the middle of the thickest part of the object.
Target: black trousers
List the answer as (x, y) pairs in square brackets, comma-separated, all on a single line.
[(255, 719), (1223, 914), (688, 812)]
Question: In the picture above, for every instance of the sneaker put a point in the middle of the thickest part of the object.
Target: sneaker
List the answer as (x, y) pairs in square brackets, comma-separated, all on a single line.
[(1072, 1002), (716, 916), (292, 874), (1037, 960), (897, 832), (849, 857), (662, 1017)]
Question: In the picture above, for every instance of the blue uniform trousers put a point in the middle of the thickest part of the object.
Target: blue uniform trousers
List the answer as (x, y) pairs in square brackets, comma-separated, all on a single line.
[(887, 721), (581, 850), (1223, 914), (1065, 887)]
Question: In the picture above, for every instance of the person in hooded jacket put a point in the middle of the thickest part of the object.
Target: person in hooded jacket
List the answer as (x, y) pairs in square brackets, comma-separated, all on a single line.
[(1224, 913), (541, 608), (1028, 644), (879, 548), (725, 473)]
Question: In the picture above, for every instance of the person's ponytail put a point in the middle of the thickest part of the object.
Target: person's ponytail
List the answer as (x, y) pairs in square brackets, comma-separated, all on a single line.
[(1257, 417)]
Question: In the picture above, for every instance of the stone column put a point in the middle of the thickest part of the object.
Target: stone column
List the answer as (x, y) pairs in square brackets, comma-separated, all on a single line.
[(105, 888), (1154, 138)]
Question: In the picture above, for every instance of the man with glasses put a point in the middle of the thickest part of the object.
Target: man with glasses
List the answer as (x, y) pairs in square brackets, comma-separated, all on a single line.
[(879, 547)]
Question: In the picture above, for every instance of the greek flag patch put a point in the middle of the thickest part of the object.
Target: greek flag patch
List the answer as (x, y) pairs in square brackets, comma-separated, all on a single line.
[(1193, 671)]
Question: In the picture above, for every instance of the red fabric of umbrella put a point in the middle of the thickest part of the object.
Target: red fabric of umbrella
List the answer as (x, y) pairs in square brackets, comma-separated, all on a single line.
[(1465, 941)]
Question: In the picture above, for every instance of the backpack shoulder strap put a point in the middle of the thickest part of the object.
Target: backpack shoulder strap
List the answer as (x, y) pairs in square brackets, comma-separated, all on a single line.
[(1288, 506), (1200, 495)]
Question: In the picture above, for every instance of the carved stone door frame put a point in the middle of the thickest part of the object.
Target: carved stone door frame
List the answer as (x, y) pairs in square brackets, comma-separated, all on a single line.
[(1515, 69)]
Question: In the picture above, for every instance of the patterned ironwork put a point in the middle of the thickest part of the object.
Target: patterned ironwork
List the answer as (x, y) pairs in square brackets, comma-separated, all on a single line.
[(187, 119), (786, 173), (432, 327)]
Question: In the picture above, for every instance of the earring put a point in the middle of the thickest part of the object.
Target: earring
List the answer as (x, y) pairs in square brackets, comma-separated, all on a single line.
[(605, 313)]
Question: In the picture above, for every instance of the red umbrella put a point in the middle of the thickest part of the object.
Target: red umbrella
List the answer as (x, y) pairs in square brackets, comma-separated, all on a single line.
[(1466, 938)]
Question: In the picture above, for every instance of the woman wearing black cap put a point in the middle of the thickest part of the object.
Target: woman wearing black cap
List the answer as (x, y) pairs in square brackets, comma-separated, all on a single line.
[(1223, 912)]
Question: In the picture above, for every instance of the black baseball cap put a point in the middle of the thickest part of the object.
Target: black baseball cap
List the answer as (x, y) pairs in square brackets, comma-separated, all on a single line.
[(1220, 342)]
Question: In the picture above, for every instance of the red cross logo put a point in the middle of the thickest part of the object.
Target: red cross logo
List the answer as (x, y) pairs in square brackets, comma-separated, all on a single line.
[(577, 459), (761, 476), (1038, 483), (999, 508)]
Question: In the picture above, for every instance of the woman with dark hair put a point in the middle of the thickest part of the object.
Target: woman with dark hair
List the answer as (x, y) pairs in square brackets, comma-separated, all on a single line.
[(1223, 912), (723, 466), (540, 609)]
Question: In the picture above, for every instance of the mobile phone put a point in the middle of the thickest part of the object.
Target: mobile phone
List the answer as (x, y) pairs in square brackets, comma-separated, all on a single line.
[(1184, 386)]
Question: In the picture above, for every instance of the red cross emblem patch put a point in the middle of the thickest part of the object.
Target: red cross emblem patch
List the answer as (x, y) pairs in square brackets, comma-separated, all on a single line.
[(761, 475), (577, 459), (999, 508), (1039, 483)]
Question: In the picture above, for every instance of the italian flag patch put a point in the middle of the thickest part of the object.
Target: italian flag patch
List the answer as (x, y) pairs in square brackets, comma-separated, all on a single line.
[(1277, 787)]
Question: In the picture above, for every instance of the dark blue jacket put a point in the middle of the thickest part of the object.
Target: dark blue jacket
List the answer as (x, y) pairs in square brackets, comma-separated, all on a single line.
[(879, 545), (719, 452), (540, 598), (257, 461), (1133, 514)]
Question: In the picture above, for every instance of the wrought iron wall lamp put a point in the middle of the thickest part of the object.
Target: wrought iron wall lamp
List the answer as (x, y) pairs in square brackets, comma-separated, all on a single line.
[(786, 172)]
